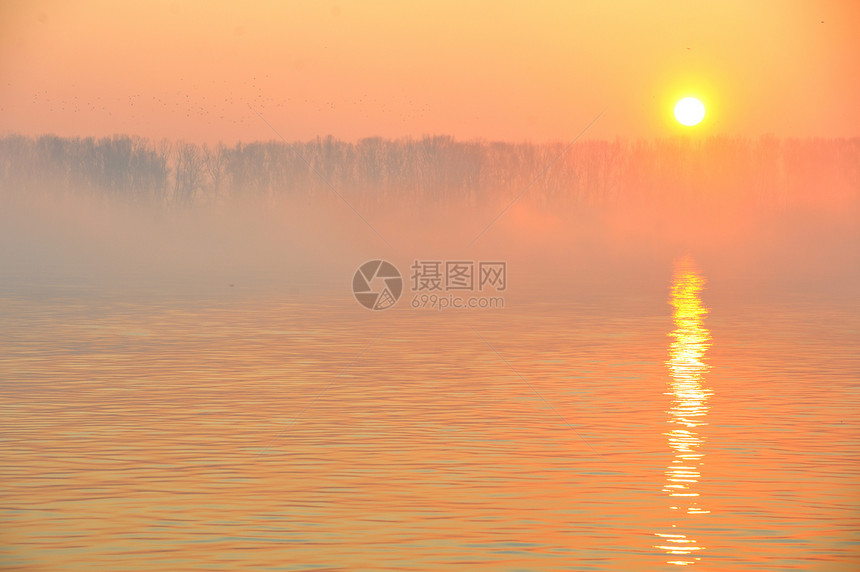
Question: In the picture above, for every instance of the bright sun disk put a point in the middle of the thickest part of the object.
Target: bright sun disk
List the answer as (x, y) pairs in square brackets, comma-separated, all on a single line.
[(689, 111)]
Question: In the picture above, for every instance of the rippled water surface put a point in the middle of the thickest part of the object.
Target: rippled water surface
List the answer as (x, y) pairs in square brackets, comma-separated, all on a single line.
[(290, 434)]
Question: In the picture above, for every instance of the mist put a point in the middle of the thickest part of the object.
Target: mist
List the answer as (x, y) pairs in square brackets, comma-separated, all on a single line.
[(763, 217)]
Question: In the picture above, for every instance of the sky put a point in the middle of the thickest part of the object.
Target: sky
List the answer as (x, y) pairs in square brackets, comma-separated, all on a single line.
[(234, 71)]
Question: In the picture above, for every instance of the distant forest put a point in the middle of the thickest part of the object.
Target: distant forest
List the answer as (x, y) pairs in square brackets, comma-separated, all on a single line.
[(441, 170)]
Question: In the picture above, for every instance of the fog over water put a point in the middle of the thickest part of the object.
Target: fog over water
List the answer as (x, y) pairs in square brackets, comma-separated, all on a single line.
[(764, 217)]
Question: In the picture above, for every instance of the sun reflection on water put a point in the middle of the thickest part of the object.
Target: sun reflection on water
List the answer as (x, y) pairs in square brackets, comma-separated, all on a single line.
[(689, 407)]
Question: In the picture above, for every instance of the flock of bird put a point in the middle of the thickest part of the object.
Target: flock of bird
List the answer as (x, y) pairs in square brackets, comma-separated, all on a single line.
[(218, 106)]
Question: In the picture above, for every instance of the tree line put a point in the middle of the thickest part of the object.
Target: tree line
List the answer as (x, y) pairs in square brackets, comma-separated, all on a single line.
[(439, 169)]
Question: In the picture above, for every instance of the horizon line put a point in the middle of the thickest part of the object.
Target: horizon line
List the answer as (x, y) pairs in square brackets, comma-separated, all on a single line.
[(453, 138)]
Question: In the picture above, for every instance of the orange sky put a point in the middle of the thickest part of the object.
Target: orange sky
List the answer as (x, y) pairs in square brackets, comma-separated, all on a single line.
[(492, 70)]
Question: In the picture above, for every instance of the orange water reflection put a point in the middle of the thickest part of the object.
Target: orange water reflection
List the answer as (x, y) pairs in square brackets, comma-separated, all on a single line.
[(689, 408)]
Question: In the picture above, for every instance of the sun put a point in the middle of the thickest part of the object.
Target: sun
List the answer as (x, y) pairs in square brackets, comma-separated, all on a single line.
[(689, 111)]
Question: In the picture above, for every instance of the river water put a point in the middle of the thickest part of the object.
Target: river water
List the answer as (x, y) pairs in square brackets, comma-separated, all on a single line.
[(306, 433)]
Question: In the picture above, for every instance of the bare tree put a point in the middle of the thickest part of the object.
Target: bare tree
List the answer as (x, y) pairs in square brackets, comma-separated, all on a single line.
[(215, 165), (189, 171)]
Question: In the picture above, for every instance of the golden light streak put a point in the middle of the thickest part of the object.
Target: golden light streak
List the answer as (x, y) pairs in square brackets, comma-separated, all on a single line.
[(687, 366)]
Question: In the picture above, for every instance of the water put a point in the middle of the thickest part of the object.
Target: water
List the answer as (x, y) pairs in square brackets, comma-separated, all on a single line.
[(288, 433)]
